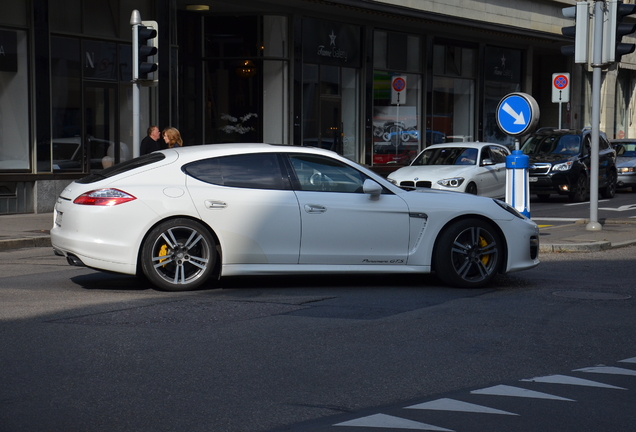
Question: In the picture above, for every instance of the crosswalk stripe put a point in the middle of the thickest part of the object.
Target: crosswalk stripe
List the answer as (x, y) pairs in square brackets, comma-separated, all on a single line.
[(564, 379), (607, 370), (505, 390), (387, 421), (446, 404)]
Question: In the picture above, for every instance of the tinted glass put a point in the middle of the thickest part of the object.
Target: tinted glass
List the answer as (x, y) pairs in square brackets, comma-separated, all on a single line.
[(123, 167), (447, 156), (252, 171), (566, 145), (319, 173)]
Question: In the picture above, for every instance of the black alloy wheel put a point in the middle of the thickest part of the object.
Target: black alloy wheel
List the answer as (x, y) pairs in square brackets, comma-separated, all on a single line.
[(178, 255), (609, 191), (469, 253), (581, 189)]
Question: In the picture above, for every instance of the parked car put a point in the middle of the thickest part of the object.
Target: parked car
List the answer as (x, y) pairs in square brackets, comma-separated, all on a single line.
[(474, 168), (560, 164), (625, 163), (185, 215)]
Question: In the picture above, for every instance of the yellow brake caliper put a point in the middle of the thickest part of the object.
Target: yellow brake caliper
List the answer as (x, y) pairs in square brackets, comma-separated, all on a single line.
[(163, 252), (484, 243)]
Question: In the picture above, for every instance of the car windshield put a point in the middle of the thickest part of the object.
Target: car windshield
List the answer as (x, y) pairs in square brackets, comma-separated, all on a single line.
[(447, 156), (567, 145), (626, 150)]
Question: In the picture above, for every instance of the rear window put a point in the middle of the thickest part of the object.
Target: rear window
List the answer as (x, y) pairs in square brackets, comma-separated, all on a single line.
[(122, 168), (251, 171)]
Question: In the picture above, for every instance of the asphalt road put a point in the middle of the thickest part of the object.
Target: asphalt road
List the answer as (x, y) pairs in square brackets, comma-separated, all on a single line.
[(90, 351)]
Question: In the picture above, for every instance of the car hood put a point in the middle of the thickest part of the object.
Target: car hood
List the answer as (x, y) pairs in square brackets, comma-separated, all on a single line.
[(429, 172), (550, 158), (625, 162)]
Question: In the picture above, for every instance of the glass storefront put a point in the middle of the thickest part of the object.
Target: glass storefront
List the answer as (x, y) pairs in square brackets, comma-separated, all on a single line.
[(14, 104), (452, 99), (331, 87), (397, 98)]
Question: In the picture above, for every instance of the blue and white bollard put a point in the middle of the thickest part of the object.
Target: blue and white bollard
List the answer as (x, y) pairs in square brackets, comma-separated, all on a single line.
[(517, 183)]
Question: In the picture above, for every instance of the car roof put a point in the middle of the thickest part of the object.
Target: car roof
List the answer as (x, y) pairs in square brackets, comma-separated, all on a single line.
[(476, 145), (216, 150)]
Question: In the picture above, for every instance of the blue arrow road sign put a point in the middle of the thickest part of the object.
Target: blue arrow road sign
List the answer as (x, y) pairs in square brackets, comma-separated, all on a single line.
[(517, 113)]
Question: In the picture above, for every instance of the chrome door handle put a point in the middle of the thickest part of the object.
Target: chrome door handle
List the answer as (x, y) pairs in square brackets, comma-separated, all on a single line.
[(314, 208)]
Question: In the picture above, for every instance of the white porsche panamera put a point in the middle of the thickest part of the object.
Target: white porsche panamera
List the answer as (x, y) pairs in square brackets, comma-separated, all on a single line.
[(184, 216)]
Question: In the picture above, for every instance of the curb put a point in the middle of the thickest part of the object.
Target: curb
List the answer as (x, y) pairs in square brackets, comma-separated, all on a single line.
[(30, 242)]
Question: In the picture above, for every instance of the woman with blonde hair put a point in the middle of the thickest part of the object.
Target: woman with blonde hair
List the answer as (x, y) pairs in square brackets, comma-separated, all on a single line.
[(172, 137)]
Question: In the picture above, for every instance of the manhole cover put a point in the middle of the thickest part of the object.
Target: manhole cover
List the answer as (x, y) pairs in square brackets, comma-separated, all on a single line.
[(586, 295)]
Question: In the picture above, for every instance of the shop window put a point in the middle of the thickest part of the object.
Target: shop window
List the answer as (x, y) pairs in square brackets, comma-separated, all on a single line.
[(502, 76), (397, 98), (14, 109), (452, 98)]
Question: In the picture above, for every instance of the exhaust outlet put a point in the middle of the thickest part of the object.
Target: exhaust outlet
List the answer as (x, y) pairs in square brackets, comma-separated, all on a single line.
[(75, 261)]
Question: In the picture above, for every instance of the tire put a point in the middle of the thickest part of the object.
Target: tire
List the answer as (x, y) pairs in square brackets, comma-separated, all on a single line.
[(580, 192), (471, 189), (609, 191), (178, 255), (468, 254)]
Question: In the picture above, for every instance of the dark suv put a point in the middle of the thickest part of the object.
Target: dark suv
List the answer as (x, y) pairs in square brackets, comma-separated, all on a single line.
[(560, 163)]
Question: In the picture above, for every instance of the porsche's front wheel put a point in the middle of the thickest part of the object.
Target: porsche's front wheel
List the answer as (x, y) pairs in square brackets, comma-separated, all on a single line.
[(468, 254), (178, 255)]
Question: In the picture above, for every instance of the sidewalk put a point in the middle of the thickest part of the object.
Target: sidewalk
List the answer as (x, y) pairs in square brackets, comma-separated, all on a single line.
[(32, 230)]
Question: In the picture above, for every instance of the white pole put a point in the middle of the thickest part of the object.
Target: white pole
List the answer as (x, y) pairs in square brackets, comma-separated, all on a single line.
[(597, 54), (135, 20)]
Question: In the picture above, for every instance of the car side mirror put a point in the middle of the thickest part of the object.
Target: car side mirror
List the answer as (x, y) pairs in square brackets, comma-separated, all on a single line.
[(487, 162), (371, 188)]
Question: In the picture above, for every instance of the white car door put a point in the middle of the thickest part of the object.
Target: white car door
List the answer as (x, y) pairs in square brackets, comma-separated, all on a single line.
[(249, 205), (341, 225), (492, 178)]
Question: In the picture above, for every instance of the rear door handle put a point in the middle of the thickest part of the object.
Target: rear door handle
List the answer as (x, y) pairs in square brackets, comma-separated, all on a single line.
[(212, 205)]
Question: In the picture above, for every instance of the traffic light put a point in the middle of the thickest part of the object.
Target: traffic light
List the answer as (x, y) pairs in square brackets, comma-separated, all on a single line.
[(579, 32), (614, 31), (145, 51)]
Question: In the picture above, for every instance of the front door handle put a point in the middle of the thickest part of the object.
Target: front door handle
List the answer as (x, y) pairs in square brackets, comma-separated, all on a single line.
[(315, 208)]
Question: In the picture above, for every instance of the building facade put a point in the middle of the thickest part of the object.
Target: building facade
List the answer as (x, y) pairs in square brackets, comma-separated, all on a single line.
[(375, 81)]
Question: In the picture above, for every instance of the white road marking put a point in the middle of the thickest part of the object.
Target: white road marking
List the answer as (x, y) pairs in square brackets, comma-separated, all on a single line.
[(387, 421), (564, 379), (629, 360), (446, 404), (505, 390), (607, 370)]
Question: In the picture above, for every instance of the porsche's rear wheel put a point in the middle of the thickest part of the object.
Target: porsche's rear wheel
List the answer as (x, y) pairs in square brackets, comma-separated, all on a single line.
[(468, 254), (178, 255)]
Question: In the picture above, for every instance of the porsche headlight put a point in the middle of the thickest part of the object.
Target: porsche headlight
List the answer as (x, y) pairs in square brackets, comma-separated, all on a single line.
[(451, 182), (562, 166), (510, 209)]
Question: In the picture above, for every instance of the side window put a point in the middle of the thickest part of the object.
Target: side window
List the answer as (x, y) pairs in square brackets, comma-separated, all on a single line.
[(321, 173), (251, 171), (602, 143), (498, 155)]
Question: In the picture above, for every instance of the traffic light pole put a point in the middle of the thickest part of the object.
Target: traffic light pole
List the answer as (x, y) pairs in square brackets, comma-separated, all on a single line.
[(597, 54), (135, 21)]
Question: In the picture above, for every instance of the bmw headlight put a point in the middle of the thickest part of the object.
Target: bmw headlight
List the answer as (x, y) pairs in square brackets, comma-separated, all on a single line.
[(562, 166), (392, 181), (451, 182), (510, 209)]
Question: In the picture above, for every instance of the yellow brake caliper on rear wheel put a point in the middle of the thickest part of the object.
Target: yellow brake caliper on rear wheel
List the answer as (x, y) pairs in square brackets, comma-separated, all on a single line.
[(163, 252)]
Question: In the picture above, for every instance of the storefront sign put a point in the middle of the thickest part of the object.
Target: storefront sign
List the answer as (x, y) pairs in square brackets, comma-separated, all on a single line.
[(331, 43), (100, 60), (8, 51), (503, 64)]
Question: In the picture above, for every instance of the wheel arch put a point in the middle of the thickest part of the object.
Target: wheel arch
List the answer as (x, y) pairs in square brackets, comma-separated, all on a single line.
[(496, 226), (217, 269)]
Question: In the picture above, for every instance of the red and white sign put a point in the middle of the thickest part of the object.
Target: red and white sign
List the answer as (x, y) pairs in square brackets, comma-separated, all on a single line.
[(398, 87), (561, 87)]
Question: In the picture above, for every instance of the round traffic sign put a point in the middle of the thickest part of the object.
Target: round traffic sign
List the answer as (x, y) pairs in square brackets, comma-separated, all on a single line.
[(517, 114), (561, 82), (399, 84)]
